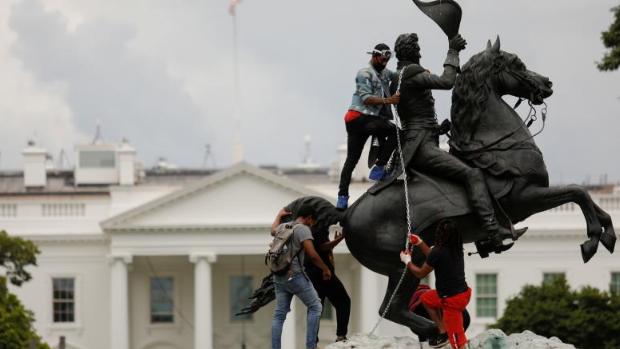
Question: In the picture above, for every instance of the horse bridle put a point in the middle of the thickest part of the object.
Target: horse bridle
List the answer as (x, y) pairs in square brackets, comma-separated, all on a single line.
[(523, 77), (536, 92)]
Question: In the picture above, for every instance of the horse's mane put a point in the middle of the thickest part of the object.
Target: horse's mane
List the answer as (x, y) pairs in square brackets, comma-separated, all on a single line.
[(470, 94)]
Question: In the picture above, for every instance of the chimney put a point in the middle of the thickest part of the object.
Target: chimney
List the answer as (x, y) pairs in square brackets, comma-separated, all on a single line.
[(35, 163), (126, 164)]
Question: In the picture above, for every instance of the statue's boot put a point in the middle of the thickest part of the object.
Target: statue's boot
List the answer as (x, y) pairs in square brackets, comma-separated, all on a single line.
[(495, 243), (499, 233)]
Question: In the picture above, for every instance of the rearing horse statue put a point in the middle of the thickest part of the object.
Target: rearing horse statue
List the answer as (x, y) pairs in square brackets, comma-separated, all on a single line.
[(488, 134)]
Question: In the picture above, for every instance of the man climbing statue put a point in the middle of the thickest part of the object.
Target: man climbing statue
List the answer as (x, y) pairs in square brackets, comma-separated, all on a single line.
[(369, 115), (421, 137)]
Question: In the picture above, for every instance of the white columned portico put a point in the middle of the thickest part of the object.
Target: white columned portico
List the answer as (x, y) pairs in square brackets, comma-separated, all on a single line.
[(369, 307), (119, 301), (203, 300)]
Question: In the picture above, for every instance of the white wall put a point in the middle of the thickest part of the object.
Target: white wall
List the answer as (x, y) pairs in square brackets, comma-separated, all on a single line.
[(87, 263)]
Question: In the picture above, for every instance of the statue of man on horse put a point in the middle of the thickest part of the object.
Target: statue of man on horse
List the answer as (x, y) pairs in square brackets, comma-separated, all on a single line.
[(494, 176), (421, 131)]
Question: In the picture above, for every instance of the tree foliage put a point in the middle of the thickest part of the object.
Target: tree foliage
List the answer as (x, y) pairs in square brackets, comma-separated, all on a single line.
[(611, 40), (15, 255), (588, 318), (16, 330)]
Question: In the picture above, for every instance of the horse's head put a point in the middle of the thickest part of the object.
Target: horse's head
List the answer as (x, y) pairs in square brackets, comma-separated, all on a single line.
[(510, 76), (493, 71)]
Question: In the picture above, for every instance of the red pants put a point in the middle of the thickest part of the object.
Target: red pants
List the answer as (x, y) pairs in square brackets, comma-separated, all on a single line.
[(452, 308)]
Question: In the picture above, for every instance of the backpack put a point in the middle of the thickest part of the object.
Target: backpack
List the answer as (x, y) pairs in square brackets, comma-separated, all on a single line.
[(280, 255)]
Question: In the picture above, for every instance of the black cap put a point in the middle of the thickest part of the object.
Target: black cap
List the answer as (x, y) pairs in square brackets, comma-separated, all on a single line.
[(381, 47)]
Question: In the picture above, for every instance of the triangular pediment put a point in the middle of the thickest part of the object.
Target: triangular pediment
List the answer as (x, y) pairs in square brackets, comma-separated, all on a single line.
[(242, 195)]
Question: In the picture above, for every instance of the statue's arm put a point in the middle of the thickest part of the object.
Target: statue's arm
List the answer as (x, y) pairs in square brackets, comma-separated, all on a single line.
[(445, 81)]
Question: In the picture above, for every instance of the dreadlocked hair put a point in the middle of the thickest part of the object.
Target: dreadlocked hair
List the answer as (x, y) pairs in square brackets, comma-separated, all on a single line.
[(449, 236)]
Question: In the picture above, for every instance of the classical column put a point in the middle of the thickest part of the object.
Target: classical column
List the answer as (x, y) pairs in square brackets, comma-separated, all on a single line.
[(289, 330), (369, 302), (203, 300), (119, 301)]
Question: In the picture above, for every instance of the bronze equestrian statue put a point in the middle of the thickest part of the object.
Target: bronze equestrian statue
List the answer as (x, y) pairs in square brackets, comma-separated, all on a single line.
[(490, 141), (486, 134)]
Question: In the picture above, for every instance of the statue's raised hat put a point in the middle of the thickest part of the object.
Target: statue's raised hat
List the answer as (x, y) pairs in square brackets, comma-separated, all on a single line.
[(446, 13)]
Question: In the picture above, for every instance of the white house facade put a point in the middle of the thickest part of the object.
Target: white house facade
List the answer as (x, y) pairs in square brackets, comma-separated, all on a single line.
[(163, 258)]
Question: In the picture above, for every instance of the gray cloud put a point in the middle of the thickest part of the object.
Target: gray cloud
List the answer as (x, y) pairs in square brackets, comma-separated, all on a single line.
[(156, 71), (104, 81)]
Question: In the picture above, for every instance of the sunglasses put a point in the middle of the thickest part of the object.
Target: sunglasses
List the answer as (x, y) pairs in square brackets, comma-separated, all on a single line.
[(382, 53)]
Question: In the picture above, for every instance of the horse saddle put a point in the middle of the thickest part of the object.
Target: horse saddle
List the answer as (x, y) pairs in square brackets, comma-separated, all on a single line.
[(433, 198)]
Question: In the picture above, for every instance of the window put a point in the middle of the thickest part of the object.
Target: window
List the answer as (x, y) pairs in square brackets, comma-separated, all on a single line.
[(162, 304), (97, 159), (328, 311), (549, 278), (8, 210), (614, 286), (63, 299), (486, 295), (240, 292)]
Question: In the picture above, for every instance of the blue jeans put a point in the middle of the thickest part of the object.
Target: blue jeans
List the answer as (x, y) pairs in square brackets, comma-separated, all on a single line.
[(301, 287)]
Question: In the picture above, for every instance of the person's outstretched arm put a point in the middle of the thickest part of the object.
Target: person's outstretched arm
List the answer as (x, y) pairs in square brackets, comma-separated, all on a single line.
[(417, 241), (316, 259), (329, 245), (418, 272), (278, 220)]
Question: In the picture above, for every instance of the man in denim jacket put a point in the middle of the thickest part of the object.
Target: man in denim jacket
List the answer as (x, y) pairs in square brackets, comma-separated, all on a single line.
[(368, 116)]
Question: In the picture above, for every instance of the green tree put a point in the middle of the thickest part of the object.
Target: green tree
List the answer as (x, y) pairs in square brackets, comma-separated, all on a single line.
[(611, 40), (16, 330), (588, 318)]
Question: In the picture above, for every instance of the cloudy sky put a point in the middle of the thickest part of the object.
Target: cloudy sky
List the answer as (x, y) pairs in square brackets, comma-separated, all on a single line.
[(160, 73)]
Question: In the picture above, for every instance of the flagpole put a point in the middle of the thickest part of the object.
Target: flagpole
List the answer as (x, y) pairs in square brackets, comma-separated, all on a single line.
[(238, 153)]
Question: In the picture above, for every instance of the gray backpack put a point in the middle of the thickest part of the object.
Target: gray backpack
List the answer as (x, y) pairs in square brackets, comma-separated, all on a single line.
[(280, 255)]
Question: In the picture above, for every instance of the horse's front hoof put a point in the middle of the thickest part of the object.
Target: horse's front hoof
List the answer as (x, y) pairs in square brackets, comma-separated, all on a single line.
[(608, 239), (588, 249)]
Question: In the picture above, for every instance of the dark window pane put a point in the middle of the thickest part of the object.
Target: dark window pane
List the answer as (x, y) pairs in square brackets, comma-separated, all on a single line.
[(486, 295), (162, 304), (549, 278), (63, 302), (328, 311), (97, 159), (239, 293), (614, 286)]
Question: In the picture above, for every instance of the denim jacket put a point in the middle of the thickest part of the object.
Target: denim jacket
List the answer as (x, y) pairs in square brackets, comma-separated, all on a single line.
[(369, 83)]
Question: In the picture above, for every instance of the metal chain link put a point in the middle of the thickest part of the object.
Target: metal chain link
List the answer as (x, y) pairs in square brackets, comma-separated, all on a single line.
[(396, 119)]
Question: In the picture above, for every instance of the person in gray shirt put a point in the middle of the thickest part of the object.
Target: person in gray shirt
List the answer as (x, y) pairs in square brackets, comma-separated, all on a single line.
[(295, 282)]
